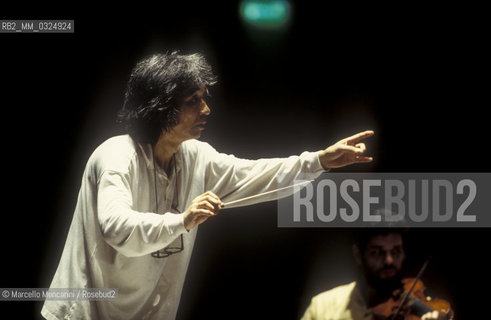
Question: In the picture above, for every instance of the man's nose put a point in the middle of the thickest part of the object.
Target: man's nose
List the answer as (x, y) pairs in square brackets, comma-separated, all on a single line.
[(389, 259), (205, 110)]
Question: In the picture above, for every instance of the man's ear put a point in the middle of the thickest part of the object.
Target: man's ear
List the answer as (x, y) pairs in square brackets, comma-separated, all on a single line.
[(356, 253)]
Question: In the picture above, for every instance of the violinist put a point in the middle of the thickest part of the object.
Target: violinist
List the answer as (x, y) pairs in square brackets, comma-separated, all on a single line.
[(380, 255)]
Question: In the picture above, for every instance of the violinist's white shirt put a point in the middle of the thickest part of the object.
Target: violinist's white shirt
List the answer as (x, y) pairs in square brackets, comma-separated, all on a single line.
[(340, 303)]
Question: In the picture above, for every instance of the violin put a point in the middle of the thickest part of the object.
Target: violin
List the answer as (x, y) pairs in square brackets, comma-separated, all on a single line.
[(410, 303)]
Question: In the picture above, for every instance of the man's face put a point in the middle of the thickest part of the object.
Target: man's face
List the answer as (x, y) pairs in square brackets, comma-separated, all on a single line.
[(383, 257), (192, 117)]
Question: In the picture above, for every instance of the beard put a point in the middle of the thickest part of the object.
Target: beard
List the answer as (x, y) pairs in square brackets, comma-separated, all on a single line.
[(384, 286)]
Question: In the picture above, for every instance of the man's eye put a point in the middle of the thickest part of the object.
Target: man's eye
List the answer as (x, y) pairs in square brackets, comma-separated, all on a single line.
[(374, 252), (397, 252), (194, 101)]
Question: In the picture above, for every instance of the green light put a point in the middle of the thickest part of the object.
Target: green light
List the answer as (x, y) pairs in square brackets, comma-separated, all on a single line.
[(269, 14)]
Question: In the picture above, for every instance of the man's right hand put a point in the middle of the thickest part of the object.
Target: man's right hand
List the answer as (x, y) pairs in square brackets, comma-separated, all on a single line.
[(204, 206), (346, 151)]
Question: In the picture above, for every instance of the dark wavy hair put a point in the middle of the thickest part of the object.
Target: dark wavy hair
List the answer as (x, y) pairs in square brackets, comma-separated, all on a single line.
[(155, 90), (363, 236)]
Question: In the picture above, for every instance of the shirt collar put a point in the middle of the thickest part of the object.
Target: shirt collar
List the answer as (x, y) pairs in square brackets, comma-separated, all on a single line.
[(146, 151)]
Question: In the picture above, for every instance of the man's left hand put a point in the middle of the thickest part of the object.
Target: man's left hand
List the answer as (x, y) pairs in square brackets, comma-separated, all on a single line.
[(346, 151), (434, 315)]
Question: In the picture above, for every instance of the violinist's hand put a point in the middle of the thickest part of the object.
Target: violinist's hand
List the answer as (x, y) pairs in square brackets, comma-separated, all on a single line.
[(434, 315), (346, 151), (204, 206)]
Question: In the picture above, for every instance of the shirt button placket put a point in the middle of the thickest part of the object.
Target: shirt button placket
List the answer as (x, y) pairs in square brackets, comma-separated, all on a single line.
[(156, 300), (155, 303)]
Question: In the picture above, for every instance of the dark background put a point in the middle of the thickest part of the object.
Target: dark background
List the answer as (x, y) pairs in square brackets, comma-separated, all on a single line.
[(418, 76)]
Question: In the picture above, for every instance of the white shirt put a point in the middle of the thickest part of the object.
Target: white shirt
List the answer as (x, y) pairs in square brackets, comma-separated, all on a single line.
[(341, 303), (115, 226)]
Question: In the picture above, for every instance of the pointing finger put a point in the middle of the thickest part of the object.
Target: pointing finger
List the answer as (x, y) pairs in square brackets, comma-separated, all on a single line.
[(359, 136)]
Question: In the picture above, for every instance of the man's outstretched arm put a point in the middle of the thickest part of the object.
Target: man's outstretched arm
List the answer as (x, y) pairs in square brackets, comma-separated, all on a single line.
[(234, 179)]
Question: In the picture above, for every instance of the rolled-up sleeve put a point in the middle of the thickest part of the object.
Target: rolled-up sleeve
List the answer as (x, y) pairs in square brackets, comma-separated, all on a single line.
[(131, 232)]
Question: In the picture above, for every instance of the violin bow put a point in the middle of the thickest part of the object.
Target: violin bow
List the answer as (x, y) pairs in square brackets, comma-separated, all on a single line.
[(406, 296)]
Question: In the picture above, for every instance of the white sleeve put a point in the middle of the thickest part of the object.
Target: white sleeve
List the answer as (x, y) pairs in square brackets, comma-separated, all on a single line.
[(131, 232), (232, 178)]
